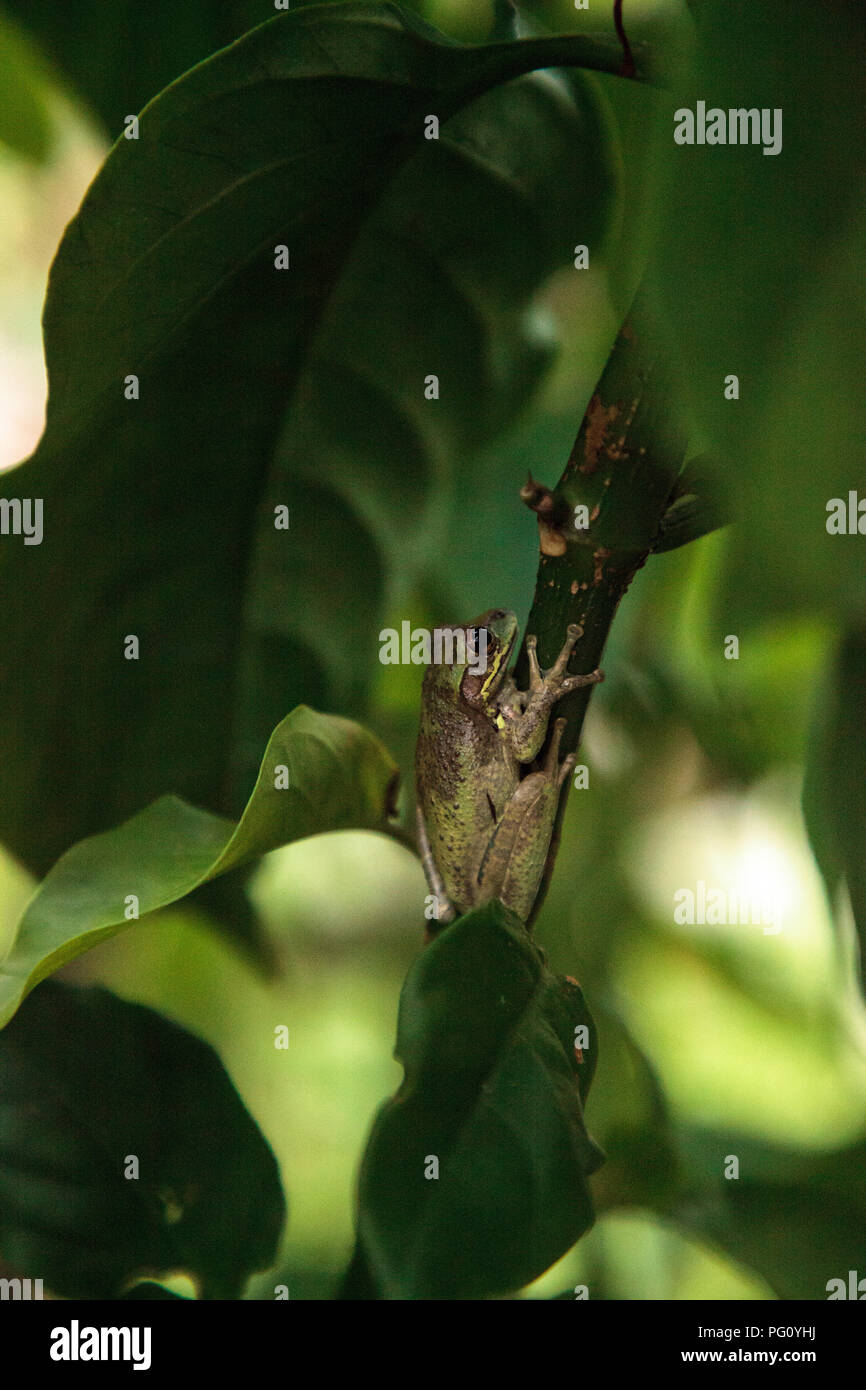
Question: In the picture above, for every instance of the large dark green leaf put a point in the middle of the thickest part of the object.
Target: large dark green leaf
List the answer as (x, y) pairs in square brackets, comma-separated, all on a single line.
[(494, 1091), (441, 286), (760, 270), (158, 511), (88, 1082), (319, 773)]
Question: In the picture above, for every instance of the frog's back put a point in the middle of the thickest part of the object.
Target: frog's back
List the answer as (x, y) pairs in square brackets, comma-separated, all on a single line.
[(464, 779)]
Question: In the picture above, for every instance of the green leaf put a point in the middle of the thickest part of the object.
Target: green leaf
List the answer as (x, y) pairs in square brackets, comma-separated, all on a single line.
[(26, 123), (339, 778), (527, 162), (759, 265), (834, 803), (493, 1090), (797, 1218), (88, 1082), (158, 512), (794, 1216)]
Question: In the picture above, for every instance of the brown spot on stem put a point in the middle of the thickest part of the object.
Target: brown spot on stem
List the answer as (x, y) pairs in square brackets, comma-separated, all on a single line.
[(599, 556), (599, 418), (619, 450)]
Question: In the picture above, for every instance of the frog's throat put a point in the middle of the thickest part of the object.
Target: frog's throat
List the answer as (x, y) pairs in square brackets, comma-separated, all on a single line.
[(499, 666)]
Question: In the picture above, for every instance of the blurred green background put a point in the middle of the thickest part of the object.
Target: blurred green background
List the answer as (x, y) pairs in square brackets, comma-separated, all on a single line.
[(696, 763)]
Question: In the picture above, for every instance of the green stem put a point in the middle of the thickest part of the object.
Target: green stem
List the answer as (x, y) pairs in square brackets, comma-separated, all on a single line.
[(562, 51), (622, 469)]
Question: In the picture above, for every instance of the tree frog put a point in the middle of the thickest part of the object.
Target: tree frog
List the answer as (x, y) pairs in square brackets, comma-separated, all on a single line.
[(486, 807)]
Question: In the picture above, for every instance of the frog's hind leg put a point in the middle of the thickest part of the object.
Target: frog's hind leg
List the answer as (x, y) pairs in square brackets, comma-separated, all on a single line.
[(553, 769), (514, 860), (446, 911), (516, 856)]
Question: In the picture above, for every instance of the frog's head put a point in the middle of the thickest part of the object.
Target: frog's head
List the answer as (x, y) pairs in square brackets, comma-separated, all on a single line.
[(490, 641), (470, 662)]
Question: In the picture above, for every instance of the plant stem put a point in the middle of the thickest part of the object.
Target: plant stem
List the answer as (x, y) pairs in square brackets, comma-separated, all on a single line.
[(622, 470)]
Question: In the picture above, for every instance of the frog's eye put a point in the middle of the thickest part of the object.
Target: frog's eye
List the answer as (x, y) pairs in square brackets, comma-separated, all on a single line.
[(480, 642)]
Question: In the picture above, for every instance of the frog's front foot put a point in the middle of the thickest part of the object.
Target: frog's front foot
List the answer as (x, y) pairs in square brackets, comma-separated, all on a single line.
[(577, 682), (528, 715), (555, 683), (537, 677)]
